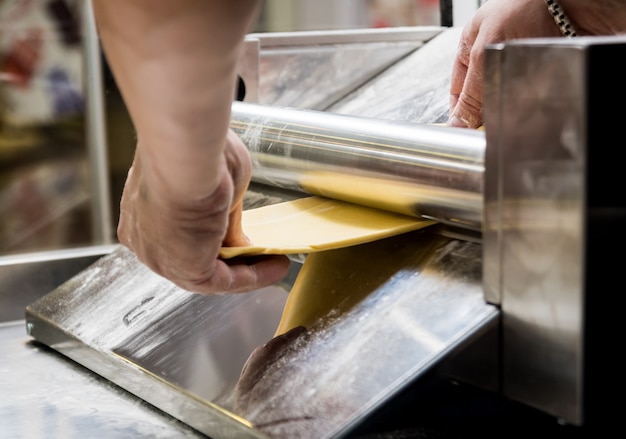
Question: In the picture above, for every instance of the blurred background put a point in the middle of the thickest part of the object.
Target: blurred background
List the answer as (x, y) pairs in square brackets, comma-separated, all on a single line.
[(66, 141)]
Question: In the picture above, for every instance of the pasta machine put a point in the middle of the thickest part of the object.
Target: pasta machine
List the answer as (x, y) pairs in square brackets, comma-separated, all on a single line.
[(510, 292)]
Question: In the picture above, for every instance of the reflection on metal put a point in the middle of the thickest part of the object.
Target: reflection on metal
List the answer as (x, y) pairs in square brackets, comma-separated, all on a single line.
[(28, 276), (248, 71), (52, 151), (293, 65), (45, 395), (414, 89), (174, 349), (414, 169), (185, 353), (101, 213), (400, 74)]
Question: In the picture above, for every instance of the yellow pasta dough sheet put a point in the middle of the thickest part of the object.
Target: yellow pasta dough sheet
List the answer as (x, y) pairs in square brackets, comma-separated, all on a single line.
[(313, 224), (330, 283)]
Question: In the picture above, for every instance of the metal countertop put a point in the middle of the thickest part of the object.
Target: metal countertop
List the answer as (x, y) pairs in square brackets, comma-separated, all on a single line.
[(45, 395)]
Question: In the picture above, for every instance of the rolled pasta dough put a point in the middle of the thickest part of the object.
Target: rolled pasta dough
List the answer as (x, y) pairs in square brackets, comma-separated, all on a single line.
[(313, 224)]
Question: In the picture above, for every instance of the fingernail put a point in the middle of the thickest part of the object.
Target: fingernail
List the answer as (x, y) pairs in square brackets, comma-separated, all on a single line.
[(456, 121)]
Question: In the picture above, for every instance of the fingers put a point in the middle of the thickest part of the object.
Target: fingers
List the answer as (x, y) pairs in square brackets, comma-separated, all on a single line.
[(459, 72), (466, 80), (240, 275), (494, 22), (239, 166), (235, 235), (209, 275), (180, 240), (467, 111)]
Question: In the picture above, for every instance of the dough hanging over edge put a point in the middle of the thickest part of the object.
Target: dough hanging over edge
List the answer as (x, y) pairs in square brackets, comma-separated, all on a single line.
[(314, 224)]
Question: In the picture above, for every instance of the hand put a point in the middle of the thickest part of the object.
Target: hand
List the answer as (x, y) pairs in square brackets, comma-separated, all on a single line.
[(180, 238), (495, 21)]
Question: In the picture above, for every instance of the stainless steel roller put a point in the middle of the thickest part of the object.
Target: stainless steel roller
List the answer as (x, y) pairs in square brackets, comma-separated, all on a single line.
[(428, 171)]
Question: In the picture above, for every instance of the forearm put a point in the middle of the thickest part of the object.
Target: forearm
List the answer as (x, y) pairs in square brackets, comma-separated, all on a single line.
[(175, 64)]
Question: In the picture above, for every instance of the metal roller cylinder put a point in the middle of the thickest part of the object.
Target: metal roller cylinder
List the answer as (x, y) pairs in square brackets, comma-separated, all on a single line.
[(427, 171)]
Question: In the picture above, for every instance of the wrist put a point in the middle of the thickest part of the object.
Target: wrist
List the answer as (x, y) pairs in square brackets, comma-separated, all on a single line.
[(561, 19), (598, 17), (183, 182)]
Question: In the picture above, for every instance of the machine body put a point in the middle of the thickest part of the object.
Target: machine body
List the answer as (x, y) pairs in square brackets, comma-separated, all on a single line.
[(552, 208)]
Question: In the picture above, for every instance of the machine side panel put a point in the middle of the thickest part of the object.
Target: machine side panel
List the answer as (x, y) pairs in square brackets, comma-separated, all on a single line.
[(542, 153)]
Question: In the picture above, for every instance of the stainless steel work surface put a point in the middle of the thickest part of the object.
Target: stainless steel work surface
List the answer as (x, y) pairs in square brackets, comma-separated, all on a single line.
[(43, 395), (214, 363), (293, 65), (26, 277)]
